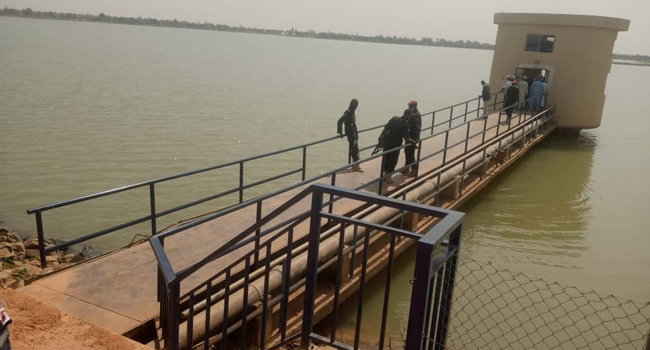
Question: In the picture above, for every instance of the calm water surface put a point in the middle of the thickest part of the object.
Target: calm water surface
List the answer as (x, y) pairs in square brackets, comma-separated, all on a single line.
[(88, 107)]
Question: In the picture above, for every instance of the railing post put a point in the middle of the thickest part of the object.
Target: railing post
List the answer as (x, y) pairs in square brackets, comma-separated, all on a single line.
[(462, 178), (161, 288), (496, 101), (467, 137), (163, 297), (241, 182), (484, 130), (478, 107), (444, 154), (312, 268), (173, 317), (417, 166), (331, 204), (433, 122), (381, 174), (499, 128), (304, 162), (258, 233), (152, 204), (41, 239), (419, 296), (451, 116), (466, 109)]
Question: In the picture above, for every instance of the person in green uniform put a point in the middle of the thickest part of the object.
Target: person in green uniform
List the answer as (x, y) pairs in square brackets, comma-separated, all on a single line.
[(350, 121), (396, 130), (414, 120)]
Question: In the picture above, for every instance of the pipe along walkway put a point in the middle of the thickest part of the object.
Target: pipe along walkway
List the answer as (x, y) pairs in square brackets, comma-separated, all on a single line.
[(464, 167), (118, 291)]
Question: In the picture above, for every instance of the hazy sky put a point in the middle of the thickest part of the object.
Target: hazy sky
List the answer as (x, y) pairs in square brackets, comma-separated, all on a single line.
[(449, 19)]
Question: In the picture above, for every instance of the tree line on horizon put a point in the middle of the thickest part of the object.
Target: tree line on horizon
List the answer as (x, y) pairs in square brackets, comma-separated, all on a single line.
[(153, 22)]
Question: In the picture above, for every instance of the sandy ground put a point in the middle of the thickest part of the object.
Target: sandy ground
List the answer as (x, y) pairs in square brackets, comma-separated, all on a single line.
[(38, 326)]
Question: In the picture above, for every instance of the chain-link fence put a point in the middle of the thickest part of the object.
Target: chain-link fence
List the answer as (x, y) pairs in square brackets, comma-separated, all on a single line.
[(495, 308)]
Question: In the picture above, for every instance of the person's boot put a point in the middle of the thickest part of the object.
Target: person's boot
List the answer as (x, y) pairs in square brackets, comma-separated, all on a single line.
[(357, 168), (404, 170)]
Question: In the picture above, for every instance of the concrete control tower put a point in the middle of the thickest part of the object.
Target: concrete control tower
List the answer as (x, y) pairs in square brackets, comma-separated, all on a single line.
[(573, 52)]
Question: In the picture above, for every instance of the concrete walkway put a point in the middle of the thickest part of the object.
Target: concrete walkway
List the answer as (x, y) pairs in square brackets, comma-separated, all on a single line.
[(118, 291)]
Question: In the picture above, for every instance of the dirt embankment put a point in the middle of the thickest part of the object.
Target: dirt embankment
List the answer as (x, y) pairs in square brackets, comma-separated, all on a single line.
[(37, 326)]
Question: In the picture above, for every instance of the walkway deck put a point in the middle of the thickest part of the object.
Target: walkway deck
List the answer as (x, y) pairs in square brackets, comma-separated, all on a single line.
[(118, 291)]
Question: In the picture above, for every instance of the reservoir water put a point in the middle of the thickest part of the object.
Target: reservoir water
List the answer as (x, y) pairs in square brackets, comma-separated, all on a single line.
[(88, 107)]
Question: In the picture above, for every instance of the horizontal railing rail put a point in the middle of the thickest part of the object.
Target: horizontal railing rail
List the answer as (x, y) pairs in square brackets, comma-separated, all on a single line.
[(525, 127), (240, 189)]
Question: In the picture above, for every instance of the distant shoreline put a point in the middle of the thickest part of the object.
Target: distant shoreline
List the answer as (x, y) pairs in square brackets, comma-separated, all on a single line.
[(636, 63), (633, 60)]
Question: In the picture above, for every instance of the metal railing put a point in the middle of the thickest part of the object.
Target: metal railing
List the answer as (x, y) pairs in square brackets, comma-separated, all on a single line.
[(381, 176), (439, 118), (446, 232), (260, 261), (199, 299), (433, 286)]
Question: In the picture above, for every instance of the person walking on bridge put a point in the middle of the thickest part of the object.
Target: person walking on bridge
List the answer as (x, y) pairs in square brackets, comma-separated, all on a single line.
[(414, 120), (507, 83), (486, 95), (512, 94), (396, 130), (523, 92), (350, 120), (535, 95), (545, 96)]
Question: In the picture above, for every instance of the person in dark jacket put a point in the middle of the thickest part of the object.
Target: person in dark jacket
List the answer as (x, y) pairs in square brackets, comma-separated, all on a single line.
[(350, 120), (486, 95), (396, 130), (512, 94), (414, 120)]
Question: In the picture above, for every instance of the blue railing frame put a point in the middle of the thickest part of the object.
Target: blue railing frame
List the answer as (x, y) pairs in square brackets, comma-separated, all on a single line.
[(151, 184)]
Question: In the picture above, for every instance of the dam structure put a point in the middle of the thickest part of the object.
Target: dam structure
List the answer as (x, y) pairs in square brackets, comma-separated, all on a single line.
[(263, 272)]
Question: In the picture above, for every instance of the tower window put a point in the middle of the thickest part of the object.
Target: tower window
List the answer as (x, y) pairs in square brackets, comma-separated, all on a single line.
[(540, 42)]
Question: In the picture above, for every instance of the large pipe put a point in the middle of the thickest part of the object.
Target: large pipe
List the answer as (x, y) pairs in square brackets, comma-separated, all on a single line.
[(327, 249)]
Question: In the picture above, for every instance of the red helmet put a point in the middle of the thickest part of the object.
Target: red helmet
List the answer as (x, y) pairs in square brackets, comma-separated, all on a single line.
[(413, 103)]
